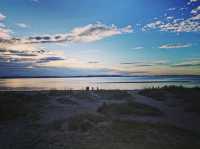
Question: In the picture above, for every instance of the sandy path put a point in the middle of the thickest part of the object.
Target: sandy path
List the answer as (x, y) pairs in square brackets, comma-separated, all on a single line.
[(173, 115), (55, 110)]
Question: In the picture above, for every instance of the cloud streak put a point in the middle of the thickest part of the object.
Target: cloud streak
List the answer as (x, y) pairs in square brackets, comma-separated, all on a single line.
[(175, 46), (22, 25), (138, 48), (93, 62), (146, 64), (2, 17), (188, 63), (29, 54), (4, 32)]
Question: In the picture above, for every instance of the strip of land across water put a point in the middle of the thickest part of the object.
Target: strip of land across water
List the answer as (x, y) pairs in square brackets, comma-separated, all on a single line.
[(167, 117)]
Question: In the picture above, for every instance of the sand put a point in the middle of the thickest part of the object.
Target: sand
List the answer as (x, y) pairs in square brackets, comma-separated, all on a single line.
[(55, 111)]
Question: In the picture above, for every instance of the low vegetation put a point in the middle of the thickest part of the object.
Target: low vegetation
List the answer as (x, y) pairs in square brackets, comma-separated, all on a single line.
[(18, 104), (67, 101), (85, 121), (82, 95), (93, 129), (124, 134), (114, 94), (128, 108), (189, 98)]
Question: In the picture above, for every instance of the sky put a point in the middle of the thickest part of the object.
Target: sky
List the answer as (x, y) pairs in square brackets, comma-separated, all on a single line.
[(87, 37)]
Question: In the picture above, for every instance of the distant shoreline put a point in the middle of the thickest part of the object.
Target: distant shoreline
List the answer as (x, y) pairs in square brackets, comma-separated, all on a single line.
[(94, 76), (149, 82), (100, 81)]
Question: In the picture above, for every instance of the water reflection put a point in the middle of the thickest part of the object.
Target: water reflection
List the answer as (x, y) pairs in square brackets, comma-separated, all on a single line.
[(127, 83)]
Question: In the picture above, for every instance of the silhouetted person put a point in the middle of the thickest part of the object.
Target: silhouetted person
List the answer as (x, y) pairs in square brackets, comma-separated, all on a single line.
[(87, 88)]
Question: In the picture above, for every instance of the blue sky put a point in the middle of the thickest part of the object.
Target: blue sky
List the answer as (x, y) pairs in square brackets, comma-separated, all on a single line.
[(78, 37)]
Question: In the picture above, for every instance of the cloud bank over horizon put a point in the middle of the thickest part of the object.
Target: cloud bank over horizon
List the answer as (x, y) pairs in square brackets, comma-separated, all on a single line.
[(29, 50)]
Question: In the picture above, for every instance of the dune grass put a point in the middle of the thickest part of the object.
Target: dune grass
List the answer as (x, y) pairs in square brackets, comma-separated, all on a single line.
[(128, 108), (189, 97), (115, 134), (91, 130), (113, 94), (17, 104), (84, 122)]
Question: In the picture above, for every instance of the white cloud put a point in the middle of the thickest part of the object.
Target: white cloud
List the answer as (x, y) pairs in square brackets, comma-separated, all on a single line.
[(196, 17), (192, 1), (22, 25), (94, 32), (5, 33), (171, 9), (175, 46), (138, 24), (152, 25), (36, 1), (191, 24), (170, 17), (88, 33), (2, 17), (2, 25), (138, 48), (196, 10)]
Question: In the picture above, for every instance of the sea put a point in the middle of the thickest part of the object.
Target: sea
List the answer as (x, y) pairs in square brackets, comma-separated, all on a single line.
[(110, 83)]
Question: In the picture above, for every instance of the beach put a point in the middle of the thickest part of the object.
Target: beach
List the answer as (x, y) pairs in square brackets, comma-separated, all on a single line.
[(99, 74), (165, 117)]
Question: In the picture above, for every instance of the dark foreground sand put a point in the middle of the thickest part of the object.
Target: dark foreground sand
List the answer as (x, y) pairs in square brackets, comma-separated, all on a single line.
[(167, 118)]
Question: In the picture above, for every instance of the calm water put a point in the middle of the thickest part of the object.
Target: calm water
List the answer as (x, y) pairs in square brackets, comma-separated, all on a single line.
[(128, 83)]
